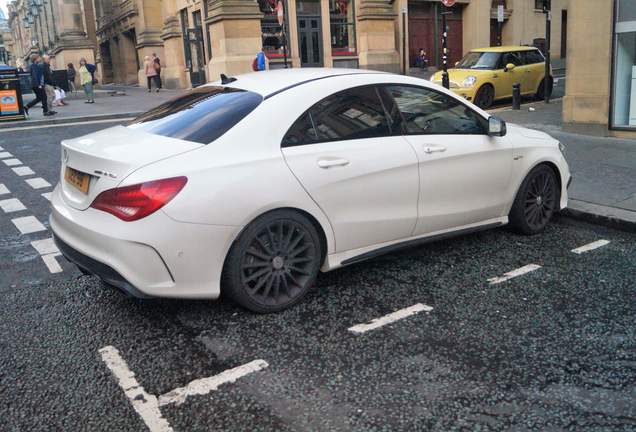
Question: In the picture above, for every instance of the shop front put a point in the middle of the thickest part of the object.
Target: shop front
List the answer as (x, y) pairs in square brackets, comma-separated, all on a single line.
[(623, 100)]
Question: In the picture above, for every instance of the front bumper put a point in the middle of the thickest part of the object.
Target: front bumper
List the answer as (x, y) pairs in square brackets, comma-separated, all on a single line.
[(152, 257), (466, 93)]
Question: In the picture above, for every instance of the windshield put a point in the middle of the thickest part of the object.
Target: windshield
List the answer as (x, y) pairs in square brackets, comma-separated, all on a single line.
[(479, 60), (201, 115)]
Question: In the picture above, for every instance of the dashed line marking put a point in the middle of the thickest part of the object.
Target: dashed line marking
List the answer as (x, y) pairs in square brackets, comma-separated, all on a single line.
[(28, 224), (514, 273), (23, 171), (143, 402), (38, 183), (5, 155), (11, 205), (390, 318), (3, 189), (12, 162), (1, 148), (45, 247), (51, 262), (47, 195), (206, 385), (590, 246)]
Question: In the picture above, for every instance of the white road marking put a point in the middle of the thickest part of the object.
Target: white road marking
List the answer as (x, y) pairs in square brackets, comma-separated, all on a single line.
[(1, 148), (38, 183), (5, 154), (28, 224), (51, 262), (591, 246), (12, 162), (3, 189), (144, 403), (390, 318), (23, 171), (11, 205), (514, 273), (45, 247), (47, 195), (120, 120), (206, 385)]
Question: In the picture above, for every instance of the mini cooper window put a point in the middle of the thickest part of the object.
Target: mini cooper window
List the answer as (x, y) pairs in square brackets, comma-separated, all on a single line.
[(202, 115), (532, 57), (351, 114), (427, 112)]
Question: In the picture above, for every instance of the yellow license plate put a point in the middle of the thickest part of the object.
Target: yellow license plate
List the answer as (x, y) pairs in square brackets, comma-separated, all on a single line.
[(77, 179)]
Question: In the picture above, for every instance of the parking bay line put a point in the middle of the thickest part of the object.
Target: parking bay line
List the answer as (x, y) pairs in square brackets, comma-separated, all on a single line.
[(590, 246), (23, 171), (514, 273), (28, 224), (390, 318), (5, 154), (11, 205), (38, 183), (3, 189), (12, 162), (144, 403)]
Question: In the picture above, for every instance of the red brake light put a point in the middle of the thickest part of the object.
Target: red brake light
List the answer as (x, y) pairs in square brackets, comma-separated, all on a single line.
[(130, 203)]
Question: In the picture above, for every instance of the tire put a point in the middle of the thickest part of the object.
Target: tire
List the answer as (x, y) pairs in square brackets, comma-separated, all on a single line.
[(274, 262), (536, 201), (540, 91), (485, 96)]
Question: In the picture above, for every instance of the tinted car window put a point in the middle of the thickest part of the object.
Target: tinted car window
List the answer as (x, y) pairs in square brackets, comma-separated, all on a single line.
[(533, 57), (351, 114), (427, 112), (479, 60), (512, 57), (202, 115)]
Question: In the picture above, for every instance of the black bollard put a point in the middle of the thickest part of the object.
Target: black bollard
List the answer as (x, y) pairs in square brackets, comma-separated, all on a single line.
[(516, 96)]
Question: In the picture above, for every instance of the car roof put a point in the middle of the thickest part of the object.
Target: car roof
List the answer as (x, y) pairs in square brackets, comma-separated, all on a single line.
[(499, 49), (268, 83)]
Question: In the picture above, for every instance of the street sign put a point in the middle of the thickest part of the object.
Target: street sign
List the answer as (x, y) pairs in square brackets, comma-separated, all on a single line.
[(500, 13), (448, 3), (280, 13)]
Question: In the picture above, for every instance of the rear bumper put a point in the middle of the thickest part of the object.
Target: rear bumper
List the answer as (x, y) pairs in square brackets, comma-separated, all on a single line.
[(152, 257)]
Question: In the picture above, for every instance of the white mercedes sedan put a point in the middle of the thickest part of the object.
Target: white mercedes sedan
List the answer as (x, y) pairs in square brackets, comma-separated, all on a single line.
[(249, 186)]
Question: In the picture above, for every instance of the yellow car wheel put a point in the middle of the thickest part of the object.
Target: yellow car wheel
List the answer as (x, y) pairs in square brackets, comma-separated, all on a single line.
[(485, 96)]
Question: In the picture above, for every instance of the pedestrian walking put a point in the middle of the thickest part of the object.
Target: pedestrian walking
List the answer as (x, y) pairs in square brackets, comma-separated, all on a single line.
[(49, 82), (70, 76), (87, 79), (151, 73), (156, 62), (36, 72)]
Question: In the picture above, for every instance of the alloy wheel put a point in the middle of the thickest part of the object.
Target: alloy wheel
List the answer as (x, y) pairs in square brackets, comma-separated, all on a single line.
[(540, 200), (276, 267)]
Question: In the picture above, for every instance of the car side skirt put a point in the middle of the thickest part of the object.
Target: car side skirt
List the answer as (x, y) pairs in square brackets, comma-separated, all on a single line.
[(341, 259)]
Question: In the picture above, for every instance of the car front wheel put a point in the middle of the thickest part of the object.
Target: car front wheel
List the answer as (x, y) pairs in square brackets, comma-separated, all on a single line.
[(485, 96), (274, 262), (536, 201)]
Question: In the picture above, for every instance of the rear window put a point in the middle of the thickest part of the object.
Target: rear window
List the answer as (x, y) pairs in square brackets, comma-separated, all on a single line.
[(201, 115)]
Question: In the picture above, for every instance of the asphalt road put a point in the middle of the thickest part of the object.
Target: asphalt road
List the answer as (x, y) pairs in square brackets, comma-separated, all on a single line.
[(552, 349)]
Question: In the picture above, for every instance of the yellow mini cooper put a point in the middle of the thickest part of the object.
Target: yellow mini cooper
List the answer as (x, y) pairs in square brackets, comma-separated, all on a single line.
[(485, 75)]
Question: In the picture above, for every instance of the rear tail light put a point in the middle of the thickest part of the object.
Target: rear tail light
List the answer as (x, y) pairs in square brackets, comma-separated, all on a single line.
[(131, 203)]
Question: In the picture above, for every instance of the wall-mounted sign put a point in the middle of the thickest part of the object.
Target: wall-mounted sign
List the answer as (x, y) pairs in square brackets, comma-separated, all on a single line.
[(9, 102)]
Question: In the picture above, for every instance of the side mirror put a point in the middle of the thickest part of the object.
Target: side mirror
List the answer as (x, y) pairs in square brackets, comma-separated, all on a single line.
[(496, 126), (509, 67)]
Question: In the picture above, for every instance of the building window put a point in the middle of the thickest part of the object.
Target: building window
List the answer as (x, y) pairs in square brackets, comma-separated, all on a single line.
[(624, 91), (273, 34), (538, 4), (342, 23)]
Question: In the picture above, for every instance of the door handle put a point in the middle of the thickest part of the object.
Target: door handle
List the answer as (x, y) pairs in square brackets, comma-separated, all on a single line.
[(328, 163), (434, 149)]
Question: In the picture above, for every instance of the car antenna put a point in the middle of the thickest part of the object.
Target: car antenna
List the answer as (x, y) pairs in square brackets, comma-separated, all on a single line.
[(226, 80)]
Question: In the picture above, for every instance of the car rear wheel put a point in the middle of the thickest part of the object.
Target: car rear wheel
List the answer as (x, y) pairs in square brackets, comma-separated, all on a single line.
[(274, 262), (541, 90), (536, 201), (485, 96)]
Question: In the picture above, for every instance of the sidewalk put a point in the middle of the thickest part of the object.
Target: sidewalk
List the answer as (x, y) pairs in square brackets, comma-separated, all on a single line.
[(604, 169), (116, 102)]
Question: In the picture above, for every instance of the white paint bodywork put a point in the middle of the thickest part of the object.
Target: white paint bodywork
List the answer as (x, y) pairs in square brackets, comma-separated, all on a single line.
[(389, 191)]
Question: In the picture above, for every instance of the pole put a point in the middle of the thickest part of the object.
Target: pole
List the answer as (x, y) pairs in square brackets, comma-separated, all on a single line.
[(285, 45), (546, 78), (404, 57), (445, 80)]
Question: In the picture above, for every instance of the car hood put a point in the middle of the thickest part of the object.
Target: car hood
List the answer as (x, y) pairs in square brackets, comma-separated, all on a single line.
[(459, 75)]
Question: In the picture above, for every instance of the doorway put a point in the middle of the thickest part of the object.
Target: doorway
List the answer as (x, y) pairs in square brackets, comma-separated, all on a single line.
[(309, 33), (193, 47), (564, 33)]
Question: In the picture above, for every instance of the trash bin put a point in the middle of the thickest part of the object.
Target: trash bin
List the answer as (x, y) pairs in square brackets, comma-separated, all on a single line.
[(11, 107)]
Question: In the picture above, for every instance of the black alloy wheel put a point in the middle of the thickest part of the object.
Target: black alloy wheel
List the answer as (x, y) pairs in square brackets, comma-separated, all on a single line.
[(536, 201), (274, 263), (485, 96)]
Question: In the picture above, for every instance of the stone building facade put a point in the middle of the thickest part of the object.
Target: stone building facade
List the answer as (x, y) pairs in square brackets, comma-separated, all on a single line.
[(62, 28)]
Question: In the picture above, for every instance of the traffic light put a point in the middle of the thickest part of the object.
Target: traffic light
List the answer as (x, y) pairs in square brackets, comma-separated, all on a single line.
[(546, 6)]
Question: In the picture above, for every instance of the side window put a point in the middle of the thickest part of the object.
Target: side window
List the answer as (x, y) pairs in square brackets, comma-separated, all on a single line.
[(534, 57), (427, 112), (351, 114), (512, 57)]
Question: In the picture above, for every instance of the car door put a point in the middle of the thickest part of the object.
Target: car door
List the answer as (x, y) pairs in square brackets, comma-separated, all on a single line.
[(535, 71), (508, 77), (365, 178), (464, 173)]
